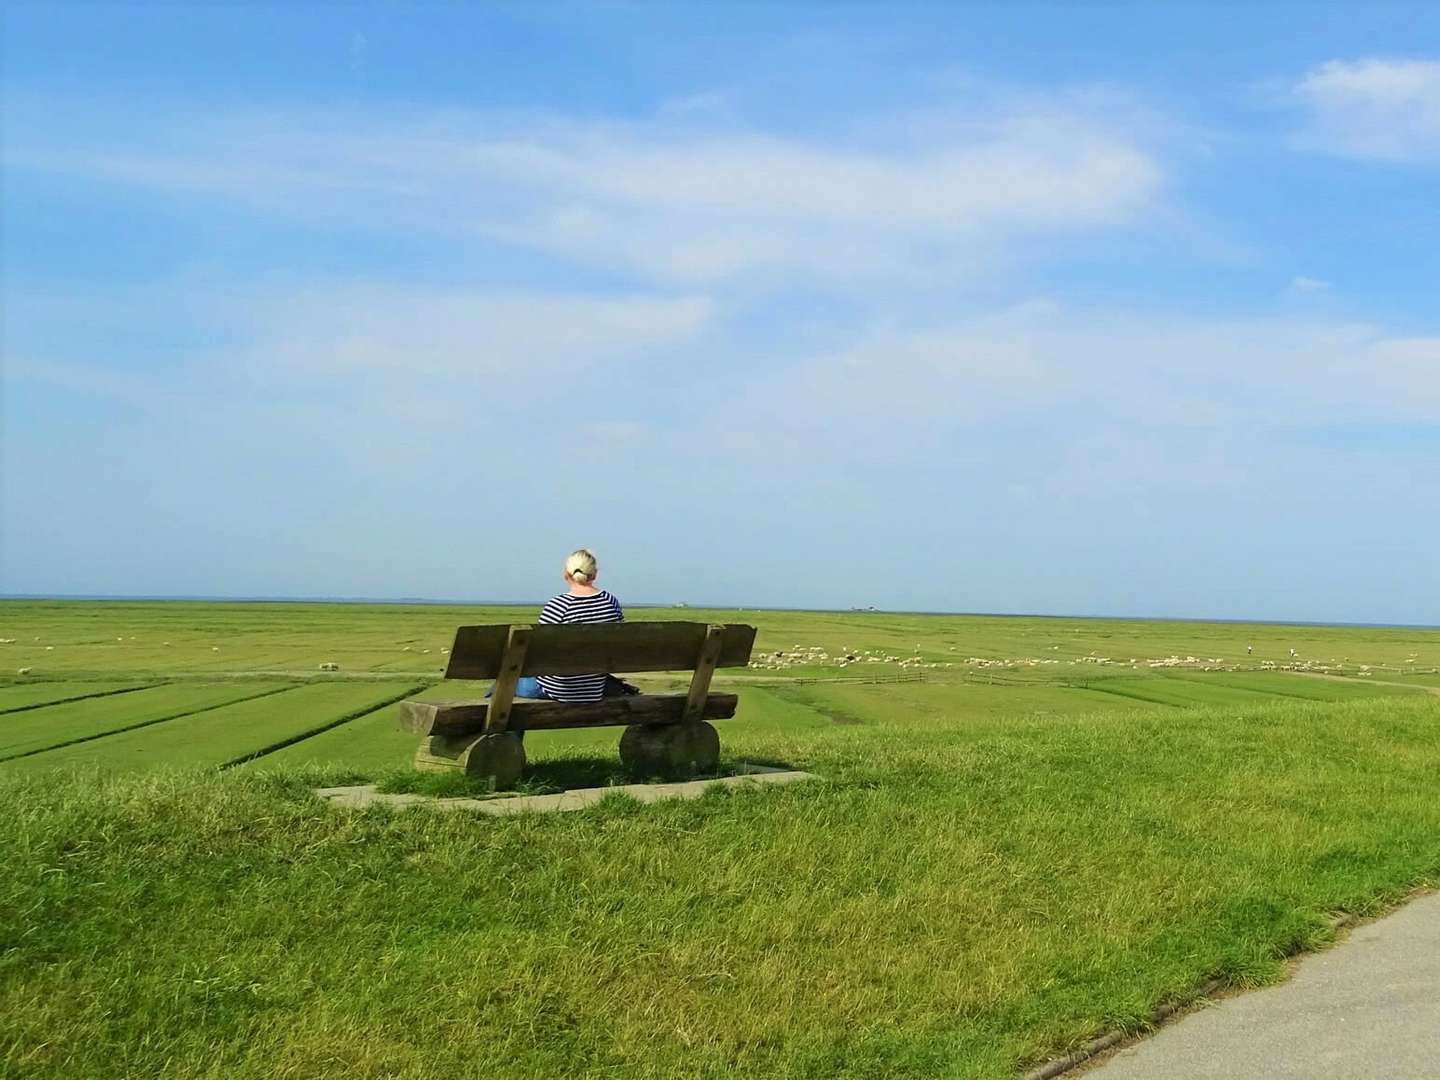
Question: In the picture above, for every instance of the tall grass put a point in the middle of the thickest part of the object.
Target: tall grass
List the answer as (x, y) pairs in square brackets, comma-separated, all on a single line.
[(960, 895)]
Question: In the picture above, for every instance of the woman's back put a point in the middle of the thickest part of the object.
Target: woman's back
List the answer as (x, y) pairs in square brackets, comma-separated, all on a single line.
[(570, 609)]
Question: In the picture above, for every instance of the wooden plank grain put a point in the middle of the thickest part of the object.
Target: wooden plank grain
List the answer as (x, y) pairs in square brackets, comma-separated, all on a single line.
[(609, 647), (512, 662), (454, 719), (705, 665), (477, 651)]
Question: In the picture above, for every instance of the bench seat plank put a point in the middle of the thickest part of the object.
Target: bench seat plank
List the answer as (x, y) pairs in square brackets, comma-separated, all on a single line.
[(452, 719), (583, 650)]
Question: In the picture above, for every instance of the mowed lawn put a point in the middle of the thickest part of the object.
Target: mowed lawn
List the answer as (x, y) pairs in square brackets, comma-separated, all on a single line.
[(23, 696), (67, 724), (180, 725), (995, 865)]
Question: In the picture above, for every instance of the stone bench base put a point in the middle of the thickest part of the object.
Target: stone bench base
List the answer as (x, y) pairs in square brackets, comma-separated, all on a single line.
[(366, 795)]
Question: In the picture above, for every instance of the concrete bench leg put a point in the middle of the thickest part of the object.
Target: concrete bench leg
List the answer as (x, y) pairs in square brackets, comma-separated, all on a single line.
[(670, 749), (499, 757)]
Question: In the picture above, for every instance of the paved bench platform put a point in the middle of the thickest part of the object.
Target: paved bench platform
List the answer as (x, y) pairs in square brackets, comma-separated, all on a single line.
[(362, 795)]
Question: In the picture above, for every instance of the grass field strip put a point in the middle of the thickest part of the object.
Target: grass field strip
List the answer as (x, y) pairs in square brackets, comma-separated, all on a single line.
[(214, 737), (1133, 694), (327, 726), (78, 697), (267, 692), (1308, 689), (371, 743)]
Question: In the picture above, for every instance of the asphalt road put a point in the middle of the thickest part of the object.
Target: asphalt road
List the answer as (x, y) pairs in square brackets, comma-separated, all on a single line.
[(1367, 1009)]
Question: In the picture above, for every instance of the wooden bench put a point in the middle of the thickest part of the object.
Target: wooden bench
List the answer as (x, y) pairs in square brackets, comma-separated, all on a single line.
[(665, 734)]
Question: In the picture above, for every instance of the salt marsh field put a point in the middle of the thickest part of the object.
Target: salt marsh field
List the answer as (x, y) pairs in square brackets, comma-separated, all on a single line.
[(122, 685), (1026, 831)]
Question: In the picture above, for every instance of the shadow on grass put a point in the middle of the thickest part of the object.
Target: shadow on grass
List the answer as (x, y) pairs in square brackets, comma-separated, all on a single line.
[(551, 778)]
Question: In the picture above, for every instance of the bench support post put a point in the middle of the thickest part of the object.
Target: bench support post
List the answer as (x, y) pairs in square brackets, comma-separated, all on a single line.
[(497, 719), (499, 758), (670, 750), (704, 669)]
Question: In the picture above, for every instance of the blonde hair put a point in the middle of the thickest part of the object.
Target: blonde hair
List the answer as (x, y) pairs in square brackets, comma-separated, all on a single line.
[(580, 566)]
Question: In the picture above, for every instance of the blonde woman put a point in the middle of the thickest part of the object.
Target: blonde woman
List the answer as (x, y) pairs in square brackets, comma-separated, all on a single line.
[(580, 603)]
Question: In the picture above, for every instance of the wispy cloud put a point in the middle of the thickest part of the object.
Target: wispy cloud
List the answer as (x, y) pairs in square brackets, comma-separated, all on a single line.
[(1385, 109), (678, 197), (657, 375), (1067, 374)]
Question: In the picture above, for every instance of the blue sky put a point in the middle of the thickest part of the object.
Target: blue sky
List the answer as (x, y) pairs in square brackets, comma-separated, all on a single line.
[(1122, 310)]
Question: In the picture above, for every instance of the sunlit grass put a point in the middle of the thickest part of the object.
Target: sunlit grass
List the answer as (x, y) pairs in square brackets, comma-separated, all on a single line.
[(967, 889)]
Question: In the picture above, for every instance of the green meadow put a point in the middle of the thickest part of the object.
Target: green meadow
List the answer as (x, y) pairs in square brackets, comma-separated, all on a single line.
[(1026, 831)]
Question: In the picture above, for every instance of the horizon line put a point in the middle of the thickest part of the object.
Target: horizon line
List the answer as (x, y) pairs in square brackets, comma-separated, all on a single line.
[(681, 605)]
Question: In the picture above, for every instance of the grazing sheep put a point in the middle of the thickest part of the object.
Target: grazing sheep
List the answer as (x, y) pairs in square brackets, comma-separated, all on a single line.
[(24, 671)]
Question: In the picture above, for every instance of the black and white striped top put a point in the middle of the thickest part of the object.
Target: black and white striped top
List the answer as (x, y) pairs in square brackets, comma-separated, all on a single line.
[(567, 609)]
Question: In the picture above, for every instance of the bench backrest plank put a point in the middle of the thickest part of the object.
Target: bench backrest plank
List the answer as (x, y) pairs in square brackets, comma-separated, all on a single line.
[(612, 647)]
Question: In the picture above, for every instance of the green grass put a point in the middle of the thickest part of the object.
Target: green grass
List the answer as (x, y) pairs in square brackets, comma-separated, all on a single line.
[(130, 638), (963, 893), (998, 862), (1284, 685), (221, 735), (368, 744), (15, 697), (82, 723)]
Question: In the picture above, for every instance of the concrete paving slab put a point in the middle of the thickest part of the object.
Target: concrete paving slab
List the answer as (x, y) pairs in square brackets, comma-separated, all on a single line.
[(1366, 1009), (578, 799)]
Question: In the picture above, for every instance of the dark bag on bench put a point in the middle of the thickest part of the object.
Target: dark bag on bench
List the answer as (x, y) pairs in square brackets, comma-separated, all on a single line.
[(619, 687)]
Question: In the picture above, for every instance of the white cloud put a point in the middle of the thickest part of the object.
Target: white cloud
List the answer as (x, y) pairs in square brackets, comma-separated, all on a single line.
[(1375, 108), (1084, 379), (1302, 285), (370, 330), (477, 364), (443, 371), (668, 197)]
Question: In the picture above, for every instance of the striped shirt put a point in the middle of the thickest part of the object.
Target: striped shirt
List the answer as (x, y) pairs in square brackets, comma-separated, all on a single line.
[(569, 610)]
